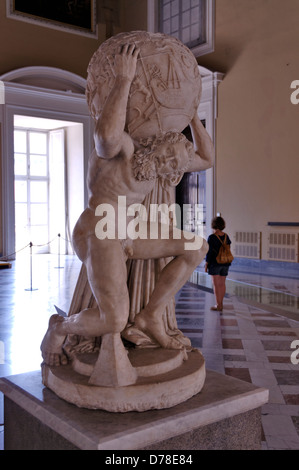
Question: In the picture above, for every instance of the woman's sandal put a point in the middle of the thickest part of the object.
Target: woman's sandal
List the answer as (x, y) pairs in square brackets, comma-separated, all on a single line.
[(217, 309)]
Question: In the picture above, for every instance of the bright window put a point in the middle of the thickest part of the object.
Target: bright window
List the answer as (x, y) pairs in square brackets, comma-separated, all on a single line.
[(31, 187)]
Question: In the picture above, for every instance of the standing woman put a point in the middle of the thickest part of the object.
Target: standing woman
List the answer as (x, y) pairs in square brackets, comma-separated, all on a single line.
[(216, 270)]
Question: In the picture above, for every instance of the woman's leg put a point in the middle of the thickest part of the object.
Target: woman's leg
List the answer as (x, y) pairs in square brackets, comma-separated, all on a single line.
[(222, 289), (219, 290)]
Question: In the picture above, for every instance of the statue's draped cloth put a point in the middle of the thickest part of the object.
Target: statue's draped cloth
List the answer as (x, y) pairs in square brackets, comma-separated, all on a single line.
[(142, 278)]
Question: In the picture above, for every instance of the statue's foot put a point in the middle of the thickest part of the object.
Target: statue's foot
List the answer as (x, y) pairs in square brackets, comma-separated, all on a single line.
[(155, 329), (51, 346)]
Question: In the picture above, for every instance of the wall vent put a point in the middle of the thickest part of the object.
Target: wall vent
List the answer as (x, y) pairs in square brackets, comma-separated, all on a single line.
[(247, 245), (283, 246)]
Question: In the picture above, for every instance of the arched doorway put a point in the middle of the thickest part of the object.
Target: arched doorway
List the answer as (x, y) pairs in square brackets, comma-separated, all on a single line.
[(44, 94)]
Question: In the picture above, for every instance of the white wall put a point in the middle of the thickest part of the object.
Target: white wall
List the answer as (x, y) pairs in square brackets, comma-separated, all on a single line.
[(257, 147), (75, 172)]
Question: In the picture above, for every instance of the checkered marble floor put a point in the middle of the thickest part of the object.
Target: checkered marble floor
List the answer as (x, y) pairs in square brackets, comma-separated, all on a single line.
[(253, 345), (248, 342)]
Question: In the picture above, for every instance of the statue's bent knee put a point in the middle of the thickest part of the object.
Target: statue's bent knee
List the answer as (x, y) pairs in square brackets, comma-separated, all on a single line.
[(116, 310)]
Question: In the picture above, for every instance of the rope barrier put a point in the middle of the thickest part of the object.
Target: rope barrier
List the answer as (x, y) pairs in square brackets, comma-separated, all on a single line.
[(5, 258), (31, 245), (48, 243), (65, 239)]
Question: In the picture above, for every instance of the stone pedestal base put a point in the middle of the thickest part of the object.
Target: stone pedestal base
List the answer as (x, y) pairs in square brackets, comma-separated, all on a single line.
[(224, 415), (164, 379)]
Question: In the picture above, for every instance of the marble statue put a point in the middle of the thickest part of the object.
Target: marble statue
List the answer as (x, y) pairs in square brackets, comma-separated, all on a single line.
[(121, 349)]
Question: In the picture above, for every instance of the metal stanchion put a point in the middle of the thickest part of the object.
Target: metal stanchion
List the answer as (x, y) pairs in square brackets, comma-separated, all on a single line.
[(30, 288), (59, 267)]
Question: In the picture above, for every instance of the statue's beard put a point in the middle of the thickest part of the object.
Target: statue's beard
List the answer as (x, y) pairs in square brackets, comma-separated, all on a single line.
[(144, 165), (145, 161)]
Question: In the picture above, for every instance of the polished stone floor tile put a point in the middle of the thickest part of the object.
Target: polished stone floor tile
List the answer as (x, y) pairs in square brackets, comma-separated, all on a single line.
[(196, 342), (292, 399), (279, 359), (190, 330), (245, 341), (228, 322), (272, 323), (296, 422), (279, 333), (239, 373), (277, 345), (189, 305), (287, 377), (190, 322), (234, 357), (232, 343)]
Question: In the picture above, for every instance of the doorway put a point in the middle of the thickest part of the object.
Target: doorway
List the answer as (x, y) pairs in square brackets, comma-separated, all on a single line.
[(48, 157), (54, 94), (191, 195)]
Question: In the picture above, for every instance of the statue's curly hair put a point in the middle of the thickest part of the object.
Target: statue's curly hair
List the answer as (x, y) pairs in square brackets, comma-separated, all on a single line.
[(145, 158)]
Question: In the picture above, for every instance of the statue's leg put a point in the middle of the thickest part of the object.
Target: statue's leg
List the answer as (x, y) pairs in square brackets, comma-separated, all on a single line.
[(107, 275), (86, 323), (175, 274)]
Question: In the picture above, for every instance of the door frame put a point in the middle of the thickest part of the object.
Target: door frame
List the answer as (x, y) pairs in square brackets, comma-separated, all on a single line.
[(44, 92), (208, 111)]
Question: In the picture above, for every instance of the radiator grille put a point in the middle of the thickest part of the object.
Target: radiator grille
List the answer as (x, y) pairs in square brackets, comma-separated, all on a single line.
[(248, 245), (283, 246)]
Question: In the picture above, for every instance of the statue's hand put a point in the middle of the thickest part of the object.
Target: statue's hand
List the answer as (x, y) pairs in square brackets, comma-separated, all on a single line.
[(125, 62)]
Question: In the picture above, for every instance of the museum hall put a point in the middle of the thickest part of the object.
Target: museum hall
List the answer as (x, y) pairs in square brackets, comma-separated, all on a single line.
[(221, 76)]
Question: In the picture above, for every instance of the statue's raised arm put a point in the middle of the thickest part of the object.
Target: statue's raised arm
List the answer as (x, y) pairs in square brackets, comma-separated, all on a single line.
[(204, 154), (109, 135)]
